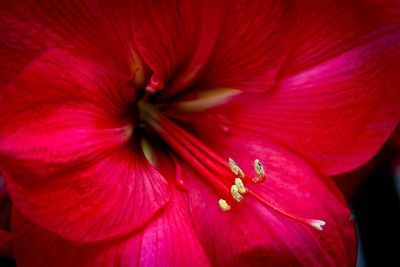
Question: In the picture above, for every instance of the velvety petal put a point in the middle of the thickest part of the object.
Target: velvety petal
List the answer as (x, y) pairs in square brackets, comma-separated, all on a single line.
[(252, 233), (168, 241), (338, 96), (32, 27), (336, 114), (238, 45), (37, 247), (326, 29), (66, 151), (171, 240), (251, 47), (114, 197), (80, 101)]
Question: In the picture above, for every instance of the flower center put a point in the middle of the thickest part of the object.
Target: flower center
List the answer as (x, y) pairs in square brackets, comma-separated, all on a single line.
[(225, 177)]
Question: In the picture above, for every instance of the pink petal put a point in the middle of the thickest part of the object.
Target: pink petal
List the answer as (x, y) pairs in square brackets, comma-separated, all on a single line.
[(171, 239), (238, 45), (66, 152), (254, 234), (336, 98), (168, 241), (336, 114), (326, 29), (37, 247), (32, 27)]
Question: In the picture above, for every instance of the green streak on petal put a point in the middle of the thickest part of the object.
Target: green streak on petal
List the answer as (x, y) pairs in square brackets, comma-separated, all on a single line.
[(208, 99), (149, 152)]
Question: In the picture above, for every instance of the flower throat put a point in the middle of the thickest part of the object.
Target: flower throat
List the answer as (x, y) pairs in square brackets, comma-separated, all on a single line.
[(225, 177)]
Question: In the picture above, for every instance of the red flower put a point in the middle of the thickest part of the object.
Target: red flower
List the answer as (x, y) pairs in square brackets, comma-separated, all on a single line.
[(118, 120)]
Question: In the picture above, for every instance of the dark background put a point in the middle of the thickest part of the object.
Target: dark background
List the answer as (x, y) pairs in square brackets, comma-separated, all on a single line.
[(374, 195)]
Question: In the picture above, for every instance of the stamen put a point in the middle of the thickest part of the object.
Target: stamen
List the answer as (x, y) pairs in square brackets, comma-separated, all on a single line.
[(235, 168), (203, 160), (165, 127), (210, 165), (240, 185), (235, 193), (238, 189), (258, 167), (224, 205)]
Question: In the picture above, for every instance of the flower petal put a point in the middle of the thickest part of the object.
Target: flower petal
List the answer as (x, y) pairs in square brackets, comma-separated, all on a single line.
[(252, 233), (336, 115), (53, 118), (338, 94), (238, 45), (37, 247), (336, 98), (168, 241), (66, 152), (252, 46), (326, 29), (32, 27), (114, 197), (171, 240)]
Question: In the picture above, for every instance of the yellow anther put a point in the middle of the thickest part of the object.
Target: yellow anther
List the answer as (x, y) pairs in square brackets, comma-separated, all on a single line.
[(235, 193), (224, 205), (235, 168), (239, 184), (258, 167)]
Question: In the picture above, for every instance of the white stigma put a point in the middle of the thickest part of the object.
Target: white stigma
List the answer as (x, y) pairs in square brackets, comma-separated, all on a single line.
[(317, 224), (224, 205)]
